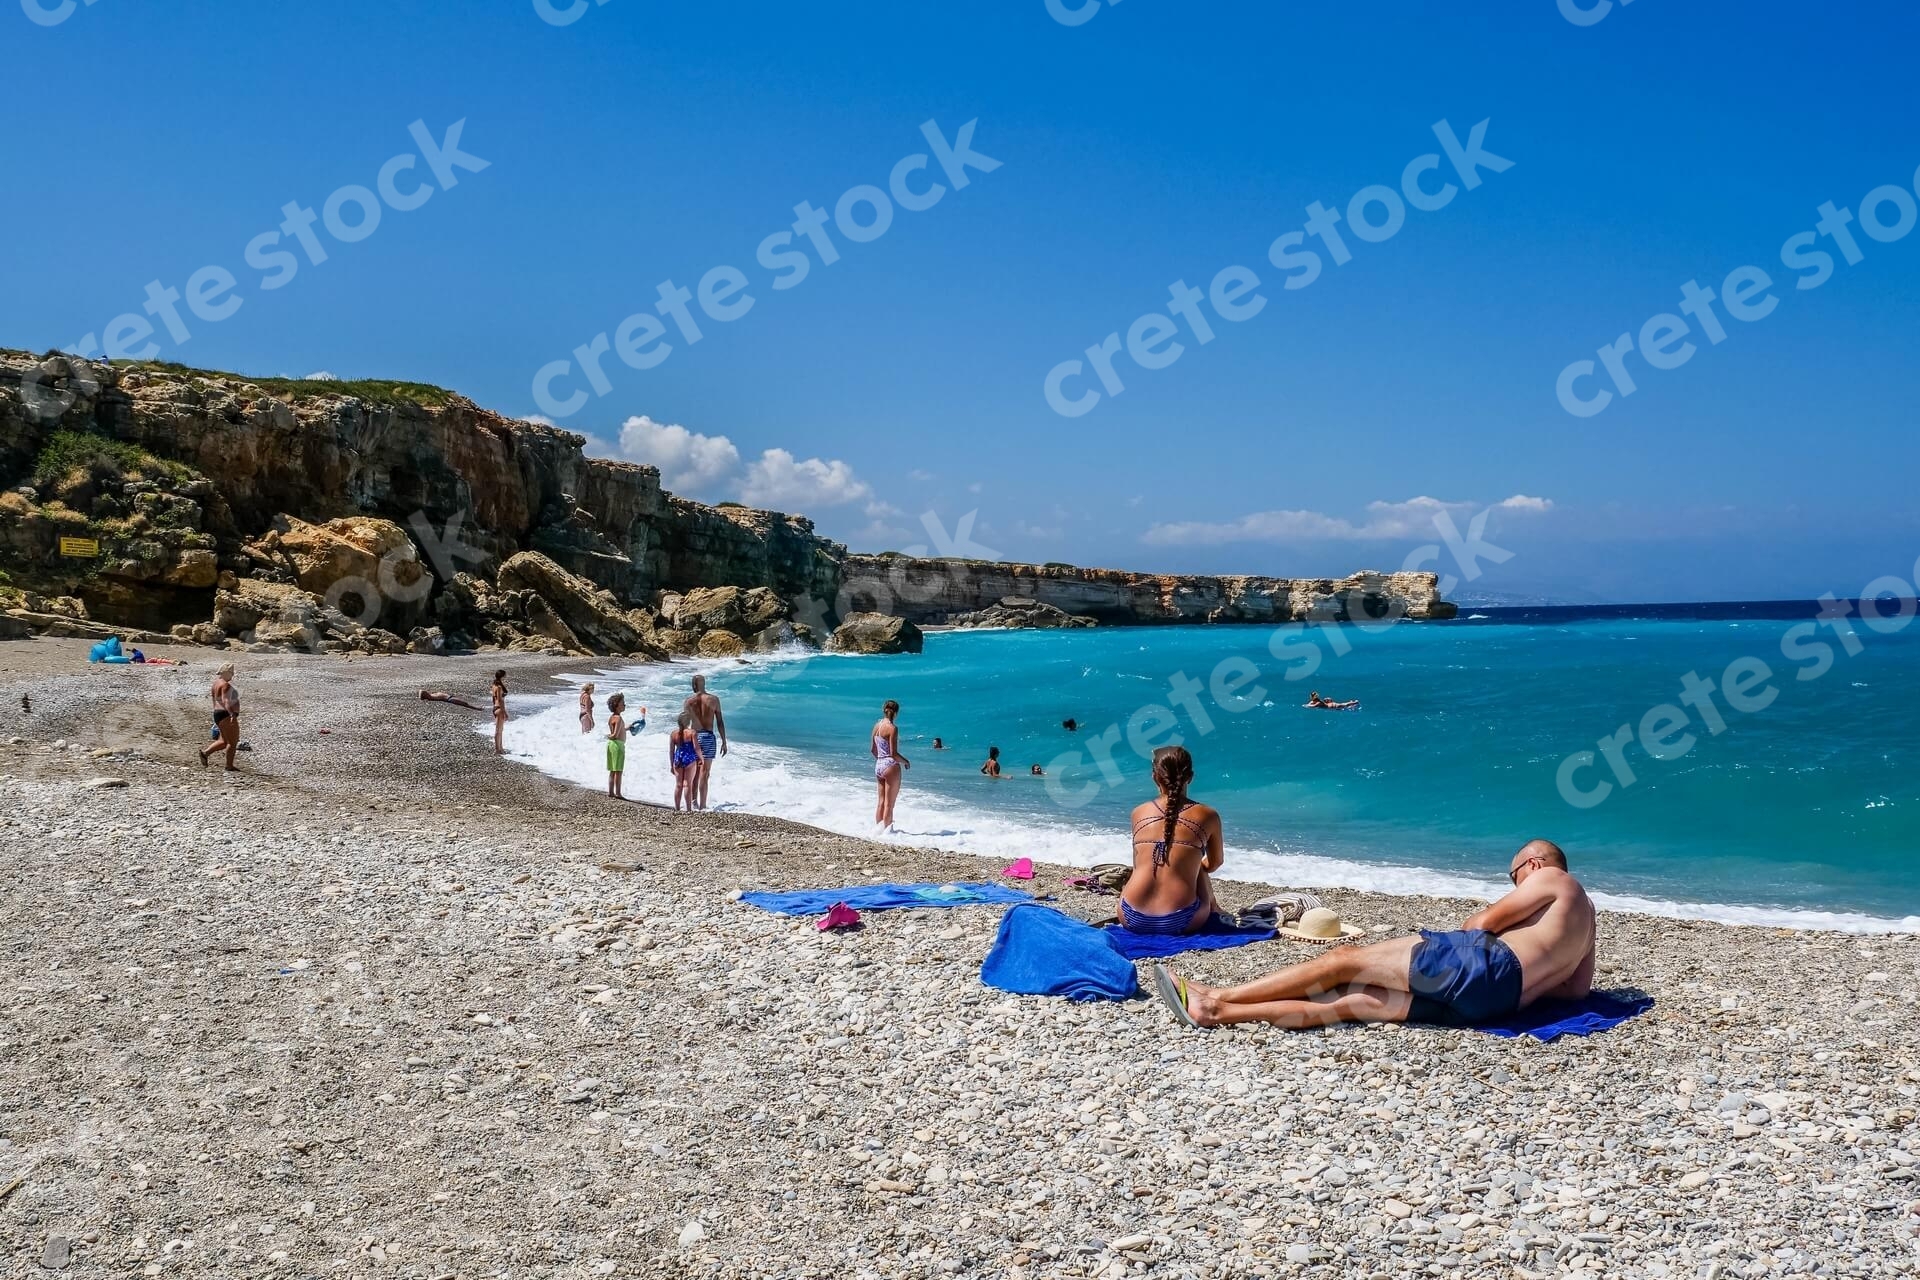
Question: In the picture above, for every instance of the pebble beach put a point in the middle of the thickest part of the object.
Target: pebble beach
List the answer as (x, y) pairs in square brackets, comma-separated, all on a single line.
[(384, 1005)]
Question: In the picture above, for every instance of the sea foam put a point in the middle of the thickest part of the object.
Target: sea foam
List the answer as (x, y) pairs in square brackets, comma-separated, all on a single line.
[(832, 795)]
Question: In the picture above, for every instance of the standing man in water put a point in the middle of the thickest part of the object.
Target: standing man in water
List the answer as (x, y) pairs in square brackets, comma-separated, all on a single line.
[(703, 709)]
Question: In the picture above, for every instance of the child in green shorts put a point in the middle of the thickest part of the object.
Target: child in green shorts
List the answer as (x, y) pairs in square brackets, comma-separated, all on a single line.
[(616, 743)]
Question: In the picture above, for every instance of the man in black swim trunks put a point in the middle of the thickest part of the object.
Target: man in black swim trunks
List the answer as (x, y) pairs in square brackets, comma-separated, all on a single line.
[(1536, 943)]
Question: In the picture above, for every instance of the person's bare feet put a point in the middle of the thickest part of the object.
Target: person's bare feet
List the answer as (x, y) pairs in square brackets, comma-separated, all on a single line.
[(1203, 1006)]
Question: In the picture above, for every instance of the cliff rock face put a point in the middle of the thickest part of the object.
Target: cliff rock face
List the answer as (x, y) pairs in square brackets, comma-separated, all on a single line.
[(876, 633), (931, 591), (1023, 614), (594, 617), (192, 483)]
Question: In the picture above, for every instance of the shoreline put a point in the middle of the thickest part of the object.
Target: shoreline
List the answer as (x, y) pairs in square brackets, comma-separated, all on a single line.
[(383, 1003), (972, 832)]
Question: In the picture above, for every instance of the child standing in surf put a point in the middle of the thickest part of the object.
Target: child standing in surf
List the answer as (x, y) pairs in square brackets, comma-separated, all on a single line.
[(684, 757), (616, 743)]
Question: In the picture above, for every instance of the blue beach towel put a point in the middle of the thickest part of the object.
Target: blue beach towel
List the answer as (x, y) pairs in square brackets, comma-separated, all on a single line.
[(883, 897), (1221, 932), (1551, 1019), (1043, 952)]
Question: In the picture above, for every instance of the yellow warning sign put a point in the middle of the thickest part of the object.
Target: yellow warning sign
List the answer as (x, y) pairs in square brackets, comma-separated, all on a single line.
[(79, 546)]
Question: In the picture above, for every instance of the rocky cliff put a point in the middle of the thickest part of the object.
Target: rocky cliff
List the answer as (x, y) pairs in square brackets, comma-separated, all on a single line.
[(935, 591), (381, 516)]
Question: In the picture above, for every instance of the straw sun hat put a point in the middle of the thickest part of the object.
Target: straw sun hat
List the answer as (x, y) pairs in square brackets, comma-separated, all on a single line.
[(1320, 925)]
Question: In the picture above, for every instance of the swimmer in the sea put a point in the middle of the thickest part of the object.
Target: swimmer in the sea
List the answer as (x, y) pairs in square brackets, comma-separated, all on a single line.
[(992, 767), (1319, 703)]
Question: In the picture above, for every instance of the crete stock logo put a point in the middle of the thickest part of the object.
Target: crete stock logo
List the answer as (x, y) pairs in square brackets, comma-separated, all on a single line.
[(42, 14), (1075, 13), (1573, 11)]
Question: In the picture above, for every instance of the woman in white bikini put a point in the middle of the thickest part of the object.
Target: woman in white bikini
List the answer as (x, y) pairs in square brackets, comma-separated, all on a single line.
[(889, 766)]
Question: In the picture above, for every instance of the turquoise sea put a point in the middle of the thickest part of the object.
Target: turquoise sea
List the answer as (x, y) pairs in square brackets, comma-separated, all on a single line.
[(1804, 811)]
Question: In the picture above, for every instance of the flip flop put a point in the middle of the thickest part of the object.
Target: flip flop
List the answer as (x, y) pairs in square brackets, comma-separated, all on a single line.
[(1173, 994)]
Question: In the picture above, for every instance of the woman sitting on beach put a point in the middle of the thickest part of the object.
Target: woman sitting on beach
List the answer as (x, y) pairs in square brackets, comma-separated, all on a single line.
[(888, 764), (1176, 844)]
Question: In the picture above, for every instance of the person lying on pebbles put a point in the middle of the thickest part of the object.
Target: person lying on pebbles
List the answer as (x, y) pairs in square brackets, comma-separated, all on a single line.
[(1536, 943)]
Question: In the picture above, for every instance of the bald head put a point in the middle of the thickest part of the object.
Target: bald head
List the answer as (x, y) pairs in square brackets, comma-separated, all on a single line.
[(1533, 855)]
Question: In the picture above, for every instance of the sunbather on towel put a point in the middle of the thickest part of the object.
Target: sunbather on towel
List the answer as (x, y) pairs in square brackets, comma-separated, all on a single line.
[(1536, 943), (1176, 843)]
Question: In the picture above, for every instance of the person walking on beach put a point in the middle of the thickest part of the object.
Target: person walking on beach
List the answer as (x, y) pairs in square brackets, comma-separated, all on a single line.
[(889, 766), (1177, 845), (226, 717), (683, 758), (499, 712), (586, 707), (708, 721), (992, 767), (1534, 944), (616, 743)]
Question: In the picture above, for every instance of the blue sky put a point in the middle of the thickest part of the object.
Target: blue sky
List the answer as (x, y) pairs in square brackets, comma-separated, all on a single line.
[(1155, 142)]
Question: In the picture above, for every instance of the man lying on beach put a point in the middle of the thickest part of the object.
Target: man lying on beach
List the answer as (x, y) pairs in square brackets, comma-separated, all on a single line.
[(428, 695), (1536, 943)]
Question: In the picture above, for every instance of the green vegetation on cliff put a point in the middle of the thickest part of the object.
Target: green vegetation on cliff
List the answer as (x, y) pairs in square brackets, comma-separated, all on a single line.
[(372, 390), (75, 457)]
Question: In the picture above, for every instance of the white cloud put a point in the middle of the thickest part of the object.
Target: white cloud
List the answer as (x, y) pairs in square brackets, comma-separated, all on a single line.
[(780, 481), (688, 461), (919, 475), (321, 376), (539, 418), (710, 467), (1383, 521)]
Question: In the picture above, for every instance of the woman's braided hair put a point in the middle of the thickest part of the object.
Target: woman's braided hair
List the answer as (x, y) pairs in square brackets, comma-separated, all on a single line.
[(1172, 773)]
